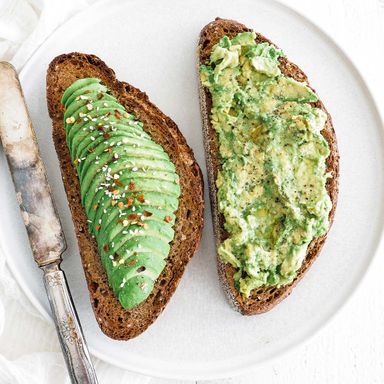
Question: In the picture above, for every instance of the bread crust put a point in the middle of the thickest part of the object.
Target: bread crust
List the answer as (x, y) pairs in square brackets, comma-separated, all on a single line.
[(265, 298), (113, 319)]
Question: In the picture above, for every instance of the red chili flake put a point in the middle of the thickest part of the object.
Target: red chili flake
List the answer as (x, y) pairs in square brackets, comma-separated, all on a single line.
[(113, 203), (117, 182), (130, 262), (119, 220), (120, 204), (100, 96), (130, 202), (105, 247), (108, 114), (105, 135), (95, 207), (168, 219), (115, 191), (131, 186), (132, 216), (117, 114), (98, 227), (78, 120), (147, 214), (111, 189), (140, 198), (109, 149), (86, 92), (90, 150)]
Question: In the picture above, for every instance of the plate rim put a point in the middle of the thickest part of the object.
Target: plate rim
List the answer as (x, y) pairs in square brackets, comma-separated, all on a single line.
[(223, 368)]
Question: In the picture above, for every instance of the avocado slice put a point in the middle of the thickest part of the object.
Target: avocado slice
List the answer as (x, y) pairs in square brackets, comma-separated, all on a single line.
[(128, 185)]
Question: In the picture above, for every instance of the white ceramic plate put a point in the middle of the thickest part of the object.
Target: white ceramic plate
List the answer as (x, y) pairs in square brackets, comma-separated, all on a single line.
[(152, 44)]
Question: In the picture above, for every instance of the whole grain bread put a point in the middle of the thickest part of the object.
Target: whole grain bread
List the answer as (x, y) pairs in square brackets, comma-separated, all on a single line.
[(113, 320), (262, 299)]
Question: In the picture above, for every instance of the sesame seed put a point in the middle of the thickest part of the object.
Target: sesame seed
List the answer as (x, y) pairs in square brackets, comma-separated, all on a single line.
[(70, 120)]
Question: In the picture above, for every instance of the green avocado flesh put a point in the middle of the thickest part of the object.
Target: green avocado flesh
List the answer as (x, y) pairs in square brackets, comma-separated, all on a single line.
[(271, 186), (129, 188)]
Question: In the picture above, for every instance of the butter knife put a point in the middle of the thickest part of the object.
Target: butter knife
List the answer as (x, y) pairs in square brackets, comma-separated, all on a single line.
[(41, 221)]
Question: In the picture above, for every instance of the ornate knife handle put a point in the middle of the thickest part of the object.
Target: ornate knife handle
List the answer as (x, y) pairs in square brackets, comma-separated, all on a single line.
[(68, 327)]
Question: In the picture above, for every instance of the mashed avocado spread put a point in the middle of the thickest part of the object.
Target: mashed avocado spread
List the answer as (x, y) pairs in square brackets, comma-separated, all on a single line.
[(129, 188), (272, 180)]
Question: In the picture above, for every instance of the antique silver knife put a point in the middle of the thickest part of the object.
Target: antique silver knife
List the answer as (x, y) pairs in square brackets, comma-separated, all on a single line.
[(41, 220)]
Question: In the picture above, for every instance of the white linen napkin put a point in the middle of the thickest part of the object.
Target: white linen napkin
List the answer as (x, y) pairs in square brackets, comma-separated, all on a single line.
[(29, 349)]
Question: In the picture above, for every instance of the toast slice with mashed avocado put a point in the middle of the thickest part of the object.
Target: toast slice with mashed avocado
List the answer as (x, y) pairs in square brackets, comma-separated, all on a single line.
[(273, 164), (134, 189)]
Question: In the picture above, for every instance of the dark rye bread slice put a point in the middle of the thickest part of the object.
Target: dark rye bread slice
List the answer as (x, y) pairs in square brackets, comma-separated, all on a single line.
[(113, 320), (262, 299)]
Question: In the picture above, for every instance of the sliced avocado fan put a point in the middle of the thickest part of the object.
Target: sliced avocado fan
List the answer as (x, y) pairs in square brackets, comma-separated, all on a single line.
[(129, 188)]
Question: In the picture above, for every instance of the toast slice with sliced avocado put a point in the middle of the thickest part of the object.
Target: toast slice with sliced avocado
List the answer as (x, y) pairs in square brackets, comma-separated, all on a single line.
[(134, 190), (273, 164)]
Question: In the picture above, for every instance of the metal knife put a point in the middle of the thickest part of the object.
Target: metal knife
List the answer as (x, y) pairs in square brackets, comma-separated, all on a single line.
[(41, 221)]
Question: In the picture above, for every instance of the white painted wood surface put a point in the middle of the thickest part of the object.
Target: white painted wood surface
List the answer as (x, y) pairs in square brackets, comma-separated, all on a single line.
[(350, 349)]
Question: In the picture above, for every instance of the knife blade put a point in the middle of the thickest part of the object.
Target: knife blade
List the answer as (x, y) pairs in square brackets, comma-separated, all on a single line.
[(41, 220)]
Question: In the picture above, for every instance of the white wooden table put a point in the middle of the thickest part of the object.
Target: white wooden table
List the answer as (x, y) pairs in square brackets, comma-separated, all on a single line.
[(350, 349)]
